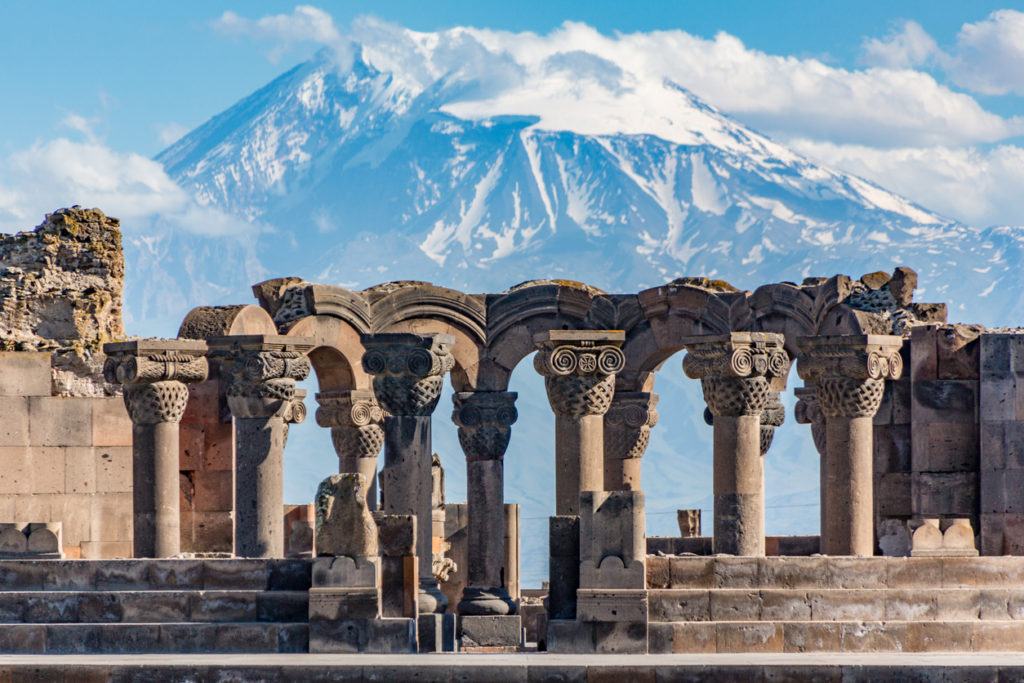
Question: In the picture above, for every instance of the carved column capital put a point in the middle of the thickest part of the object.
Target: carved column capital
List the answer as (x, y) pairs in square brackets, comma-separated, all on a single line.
[(849, 371), (627, 424), (736, 370), (485, 420), (579, 368), (772, 415), (154, 373), (408, 370), (261, 372), (355, 420)]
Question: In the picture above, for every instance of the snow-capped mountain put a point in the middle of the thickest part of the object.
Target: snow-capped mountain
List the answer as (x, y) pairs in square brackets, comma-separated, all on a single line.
[(480, 170)]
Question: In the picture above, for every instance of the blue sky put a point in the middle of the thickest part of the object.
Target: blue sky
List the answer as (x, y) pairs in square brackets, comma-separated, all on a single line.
[(921, 97)]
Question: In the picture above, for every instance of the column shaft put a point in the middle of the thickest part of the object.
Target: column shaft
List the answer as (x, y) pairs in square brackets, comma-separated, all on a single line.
[(579, 459), (850, 506), (738, 485), (259, 498), (155, 490), (485, 480)]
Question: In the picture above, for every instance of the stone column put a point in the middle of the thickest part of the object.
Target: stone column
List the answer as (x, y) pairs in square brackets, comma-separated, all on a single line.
[(627, 429), (355, 420), (849, 374), (154, 373), (579, 369), (485, 420), (408, 373), (261, 371), (737, 373)]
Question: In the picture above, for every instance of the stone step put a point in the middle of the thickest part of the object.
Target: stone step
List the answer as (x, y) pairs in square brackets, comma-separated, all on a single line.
[(724, 571), (195, 574), (48, 607), (846, 604), (836, 636), (251, 637)]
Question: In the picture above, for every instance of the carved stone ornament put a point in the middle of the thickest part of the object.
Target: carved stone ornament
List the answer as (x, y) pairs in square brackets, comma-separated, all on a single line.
[(408, 370), (628, 422), (579, 368), (485, 420), (355, 420), (154, 373), (807, 411), (261, 372), (849, 372), (772, 416), (736, 370)]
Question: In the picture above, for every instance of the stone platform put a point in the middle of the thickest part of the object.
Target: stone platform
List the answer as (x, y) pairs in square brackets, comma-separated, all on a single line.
[(522, 668)]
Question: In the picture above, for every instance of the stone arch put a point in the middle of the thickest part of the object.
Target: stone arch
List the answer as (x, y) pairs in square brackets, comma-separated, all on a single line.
[(517, 314), (204, 322), (337, 352), (785, 308)]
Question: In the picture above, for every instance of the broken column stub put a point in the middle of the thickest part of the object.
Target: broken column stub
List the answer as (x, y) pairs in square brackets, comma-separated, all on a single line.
[(408, 374), (356, 423), (344, 525), (155, 373), (579, 368), (627, 430), (849, 374), (260, 373), (396, 536), (485, 420), (738, 372)]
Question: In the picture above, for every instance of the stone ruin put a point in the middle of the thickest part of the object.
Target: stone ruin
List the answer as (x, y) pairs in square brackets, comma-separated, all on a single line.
[(167, 453)]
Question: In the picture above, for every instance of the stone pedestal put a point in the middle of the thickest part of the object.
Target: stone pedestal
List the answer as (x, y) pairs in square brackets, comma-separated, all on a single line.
[(485, 420), (396, 536), (154, 373), (849, 374), (490, 631), (261, 372), (563, 566), (579, 369), (627, 429), (738, 371), (356, 423), (408, 374)]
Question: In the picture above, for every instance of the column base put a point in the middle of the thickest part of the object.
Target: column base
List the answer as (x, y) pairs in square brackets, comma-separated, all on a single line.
[(431, 599), (486, 601)]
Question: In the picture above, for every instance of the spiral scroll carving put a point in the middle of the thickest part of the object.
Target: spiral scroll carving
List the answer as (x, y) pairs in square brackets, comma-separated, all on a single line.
[(849, 373), (408, 375), (580, 375), (354, 418), (485, 420), (154, 373), (627, 424)]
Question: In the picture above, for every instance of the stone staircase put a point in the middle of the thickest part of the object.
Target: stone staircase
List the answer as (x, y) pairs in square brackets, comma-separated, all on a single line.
[(154, 606), (835, 604)]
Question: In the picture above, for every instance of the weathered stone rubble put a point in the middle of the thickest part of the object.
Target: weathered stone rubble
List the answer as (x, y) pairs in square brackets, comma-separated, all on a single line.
[(60, 291)]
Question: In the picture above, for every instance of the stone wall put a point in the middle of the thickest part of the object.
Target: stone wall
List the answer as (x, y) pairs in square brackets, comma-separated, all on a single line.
[(64, 459)]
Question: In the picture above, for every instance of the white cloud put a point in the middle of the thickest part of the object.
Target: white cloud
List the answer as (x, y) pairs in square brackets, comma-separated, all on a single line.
[(905, 48), (306, 24), (137, 190), (169, 133), (979, 187), (81, 124)]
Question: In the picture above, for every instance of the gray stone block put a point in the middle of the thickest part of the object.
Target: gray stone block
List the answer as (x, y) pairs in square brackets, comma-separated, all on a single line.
[(333, 604), (24, 373), (570, 636), (60, 421), (436, 632), (620, 637), (347, 572), (235, 574), (14, 427), (609, 605), (223, 606), (490, 631), (282, 606)]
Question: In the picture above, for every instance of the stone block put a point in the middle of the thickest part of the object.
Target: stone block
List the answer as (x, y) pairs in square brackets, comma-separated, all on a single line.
[(694, 638), (847, 605), (994, 603), (892, 449), (924, 352), (997, 636), (235, 574), (659, 638), (14, 470), (223, 605), (65, 575), (46, 469), (910, 604), (380, 636), (191, 442), (203, 401), (958, 351), (955, 605), (563, 565), (436, 632), (749, 637), (893, 494), (802, 546), (218, 446), (113, 469), (24, 373), (45, 538), (620, 637), (873, 636), (612, 524), (736, 572), (111, 517), (122, 575), (611, 605), (289, 575), (901, 401), (333, 604), (735, 605), (490, 631), (939, 636), (399, 581), (570, 637), (945, 400), (99, 550), (996, 355), (396, 534), (949, 447), (79, 469), (945, 493), (60, 421), (793, 572), (282, 606), (994, 572), (214, 490), (906, 572), (14, 426), (13, 539), (818, 636), (209, 531), (111, 425), (785, 605), (37, 507), (679, 604), (346, 572), (180, 574), (997, 399), (160, 607), (658, 574), (856, 572)]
